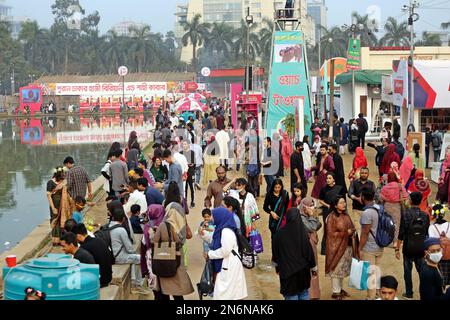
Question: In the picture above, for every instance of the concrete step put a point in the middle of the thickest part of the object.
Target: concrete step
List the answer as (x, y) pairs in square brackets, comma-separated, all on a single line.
[(110, 292)]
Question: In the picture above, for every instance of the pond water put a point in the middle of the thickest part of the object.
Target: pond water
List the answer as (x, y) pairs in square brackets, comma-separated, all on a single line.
[(30, 149)]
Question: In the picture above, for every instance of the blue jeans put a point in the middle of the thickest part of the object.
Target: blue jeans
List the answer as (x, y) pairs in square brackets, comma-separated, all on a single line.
[(269, 180), (304, 295), (407, 272)]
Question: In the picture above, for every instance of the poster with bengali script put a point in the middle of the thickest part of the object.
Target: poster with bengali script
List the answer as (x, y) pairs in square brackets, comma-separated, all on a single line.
[(288, 83)]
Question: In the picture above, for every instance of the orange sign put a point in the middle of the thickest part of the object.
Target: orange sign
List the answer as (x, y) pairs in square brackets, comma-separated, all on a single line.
[(340, 66)]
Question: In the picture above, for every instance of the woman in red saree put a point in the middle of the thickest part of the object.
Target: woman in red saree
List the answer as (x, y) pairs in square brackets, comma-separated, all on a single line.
[(389, 156), (421, 185)]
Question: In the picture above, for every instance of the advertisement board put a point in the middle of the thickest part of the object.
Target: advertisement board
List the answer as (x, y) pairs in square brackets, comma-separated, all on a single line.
[(400, 83), (288, 83), (432, 85), (354, 54)]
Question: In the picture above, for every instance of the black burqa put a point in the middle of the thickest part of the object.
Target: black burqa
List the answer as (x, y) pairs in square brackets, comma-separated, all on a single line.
[(293, 255), (339, 171)]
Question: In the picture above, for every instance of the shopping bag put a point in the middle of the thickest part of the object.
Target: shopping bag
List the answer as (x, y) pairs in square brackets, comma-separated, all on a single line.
[(256, 241), (359, 274), (206, 285)]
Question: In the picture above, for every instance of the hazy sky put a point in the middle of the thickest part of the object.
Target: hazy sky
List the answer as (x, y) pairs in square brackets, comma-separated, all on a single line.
[(160, 13)]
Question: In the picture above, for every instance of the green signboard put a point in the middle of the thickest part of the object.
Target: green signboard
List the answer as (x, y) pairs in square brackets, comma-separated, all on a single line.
[(354, 54), (288, 88)]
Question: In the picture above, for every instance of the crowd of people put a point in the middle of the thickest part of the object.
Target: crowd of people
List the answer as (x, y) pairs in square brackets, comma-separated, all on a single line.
[(151, 195)]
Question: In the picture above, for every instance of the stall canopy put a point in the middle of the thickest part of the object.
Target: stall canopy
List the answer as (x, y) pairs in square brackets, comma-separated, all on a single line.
[(363, 76)]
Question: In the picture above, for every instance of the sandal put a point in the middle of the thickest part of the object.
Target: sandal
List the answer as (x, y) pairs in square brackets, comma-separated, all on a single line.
[(345, 293), (336, 296)]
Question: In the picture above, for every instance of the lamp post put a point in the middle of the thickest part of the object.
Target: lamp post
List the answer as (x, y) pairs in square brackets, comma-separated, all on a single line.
[(249, 21), (413, 17), (330, 40)]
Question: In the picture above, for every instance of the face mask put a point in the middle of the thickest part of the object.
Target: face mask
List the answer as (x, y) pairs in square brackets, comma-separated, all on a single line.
[(435, 257)]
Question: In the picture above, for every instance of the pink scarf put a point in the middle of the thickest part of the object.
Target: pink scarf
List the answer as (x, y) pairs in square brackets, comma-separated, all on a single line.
[(391, 192), (405, 169)]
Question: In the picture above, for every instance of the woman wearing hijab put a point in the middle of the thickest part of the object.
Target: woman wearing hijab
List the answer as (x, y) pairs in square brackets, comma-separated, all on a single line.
[(393, 194), (389, 156), (230, 283), (406, 171), (180, 284), (360, 161), (441, 228), (443, 194), (312, 225), (338, 260), (423, 186), (294, 258), (155, 216)]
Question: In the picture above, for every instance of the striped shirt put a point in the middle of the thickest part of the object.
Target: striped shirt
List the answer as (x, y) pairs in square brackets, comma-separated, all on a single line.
[(77, 181)]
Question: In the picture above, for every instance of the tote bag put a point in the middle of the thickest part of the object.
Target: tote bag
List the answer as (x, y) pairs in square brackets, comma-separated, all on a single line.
[(359, 274)]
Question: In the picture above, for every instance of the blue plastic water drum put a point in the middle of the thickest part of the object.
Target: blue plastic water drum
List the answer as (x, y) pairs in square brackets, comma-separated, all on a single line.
[(57, 275)]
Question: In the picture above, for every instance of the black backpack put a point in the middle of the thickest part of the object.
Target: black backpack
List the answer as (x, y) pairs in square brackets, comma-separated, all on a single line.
[(246, 253), (415, 236), (104, 233)]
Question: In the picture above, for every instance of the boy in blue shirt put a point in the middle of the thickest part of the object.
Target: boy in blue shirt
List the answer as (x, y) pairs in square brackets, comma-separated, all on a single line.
[(77, 215)]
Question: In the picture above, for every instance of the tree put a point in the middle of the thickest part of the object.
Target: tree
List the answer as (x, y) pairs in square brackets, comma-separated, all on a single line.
[(196, 33), (266, 39), (219, 38), (142, 47), (240, 41), (368, 38), (32, 36), (114, 51), (429, 40), (338, 45), (396, 34)]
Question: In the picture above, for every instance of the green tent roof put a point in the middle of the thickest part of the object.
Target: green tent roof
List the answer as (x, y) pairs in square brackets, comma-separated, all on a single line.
[(362, 76)]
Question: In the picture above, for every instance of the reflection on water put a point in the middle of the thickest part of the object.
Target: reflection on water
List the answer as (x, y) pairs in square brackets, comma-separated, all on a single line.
[(30, 149)]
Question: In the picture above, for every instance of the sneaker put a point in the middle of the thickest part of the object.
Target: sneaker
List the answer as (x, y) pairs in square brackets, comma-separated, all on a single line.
[(407, 296), (345, 293), (192, 205)]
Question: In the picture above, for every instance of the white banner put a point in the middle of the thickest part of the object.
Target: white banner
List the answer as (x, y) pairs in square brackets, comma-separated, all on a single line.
[(387, 92), (433, 80), (111, 89), (400, 84), (98, 136)]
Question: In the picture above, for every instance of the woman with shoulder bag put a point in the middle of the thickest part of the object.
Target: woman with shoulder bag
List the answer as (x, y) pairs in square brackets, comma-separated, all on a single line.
[(393, 196), (174, 222)]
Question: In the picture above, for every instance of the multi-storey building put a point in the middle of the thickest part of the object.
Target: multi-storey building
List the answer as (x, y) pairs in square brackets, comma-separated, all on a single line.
[(233, 11)]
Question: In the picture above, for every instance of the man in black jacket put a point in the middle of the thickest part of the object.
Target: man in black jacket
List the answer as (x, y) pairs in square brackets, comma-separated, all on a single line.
[(363, 127), (99, 250), (413, 231)]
